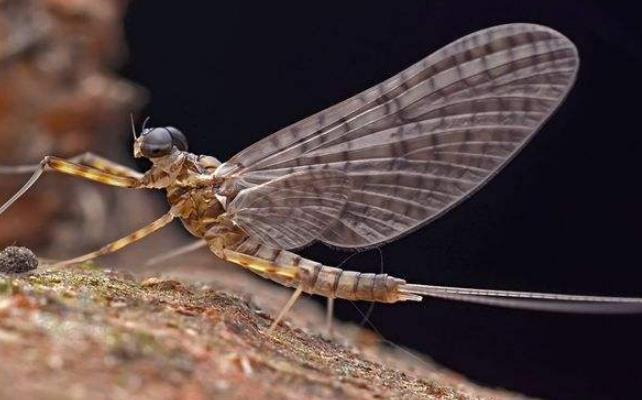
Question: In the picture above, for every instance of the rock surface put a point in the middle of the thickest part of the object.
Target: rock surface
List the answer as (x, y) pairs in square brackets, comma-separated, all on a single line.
[(89, 333)]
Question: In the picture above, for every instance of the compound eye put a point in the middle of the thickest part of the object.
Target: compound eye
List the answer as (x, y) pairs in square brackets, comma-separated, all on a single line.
[(178, 139), (156, 142)]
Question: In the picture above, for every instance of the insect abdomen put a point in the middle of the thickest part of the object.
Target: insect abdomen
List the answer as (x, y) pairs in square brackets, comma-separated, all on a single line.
[(323, 280), (351, 285)]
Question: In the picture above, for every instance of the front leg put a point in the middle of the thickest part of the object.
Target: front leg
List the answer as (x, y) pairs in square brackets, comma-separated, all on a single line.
[(94, 160), (88, 159), (61, 165), (90, 173)]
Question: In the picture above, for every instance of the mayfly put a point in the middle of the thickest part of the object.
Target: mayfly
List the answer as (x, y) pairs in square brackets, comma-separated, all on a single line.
[(363, 172)]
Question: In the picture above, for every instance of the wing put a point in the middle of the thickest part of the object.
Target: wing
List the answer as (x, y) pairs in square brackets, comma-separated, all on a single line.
[(422, 141), (293, 210)]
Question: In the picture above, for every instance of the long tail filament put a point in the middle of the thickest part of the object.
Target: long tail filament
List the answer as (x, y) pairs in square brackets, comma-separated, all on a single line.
[(530, 300)]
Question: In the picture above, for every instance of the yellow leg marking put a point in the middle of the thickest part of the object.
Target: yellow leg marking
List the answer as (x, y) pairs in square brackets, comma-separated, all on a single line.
[(86, 159), (66, 167), (259, 265), (103, 164), (120, 243), (93, 174)]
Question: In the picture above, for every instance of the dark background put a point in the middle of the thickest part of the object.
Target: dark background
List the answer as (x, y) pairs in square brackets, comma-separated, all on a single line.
[(564, 216)]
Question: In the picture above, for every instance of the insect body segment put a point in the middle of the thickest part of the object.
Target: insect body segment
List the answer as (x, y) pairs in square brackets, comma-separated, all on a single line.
[(292, 270)]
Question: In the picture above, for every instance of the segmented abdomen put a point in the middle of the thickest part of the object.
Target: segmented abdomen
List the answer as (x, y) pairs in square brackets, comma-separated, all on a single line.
[(316, 278)]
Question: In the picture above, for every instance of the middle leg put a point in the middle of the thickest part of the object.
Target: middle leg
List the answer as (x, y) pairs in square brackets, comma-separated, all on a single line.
[(122, 242)]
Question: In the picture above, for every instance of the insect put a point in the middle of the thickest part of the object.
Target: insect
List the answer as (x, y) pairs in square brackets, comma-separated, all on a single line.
[(363, 172)]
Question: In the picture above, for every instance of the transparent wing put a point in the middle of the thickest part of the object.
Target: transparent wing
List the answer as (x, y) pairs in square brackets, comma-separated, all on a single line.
[(293, 210), (422, 141)]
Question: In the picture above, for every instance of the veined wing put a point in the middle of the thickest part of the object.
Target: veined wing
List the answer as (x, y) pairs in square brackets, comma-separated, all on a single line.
[(293, 210), (422, 141)]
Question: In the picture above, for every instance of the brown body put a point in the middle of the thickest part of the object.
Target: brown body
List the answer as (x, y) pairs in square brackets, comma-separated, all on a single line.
[(198, 203)]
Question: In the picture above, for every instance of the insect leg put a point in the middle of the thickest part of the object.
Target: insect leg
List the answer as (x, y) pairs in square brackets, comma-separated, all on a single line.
[(89, 159), (260, 266), (176, 252), (285, 309), (329, 328), (284, 274), (104, 164), (122, 242), (70, 168), (93, 174), (229, 243)]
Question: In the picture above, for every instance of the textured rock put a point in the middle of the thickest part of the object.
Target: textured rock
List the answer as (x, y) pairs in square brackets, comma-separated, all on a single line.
[(88, 333)]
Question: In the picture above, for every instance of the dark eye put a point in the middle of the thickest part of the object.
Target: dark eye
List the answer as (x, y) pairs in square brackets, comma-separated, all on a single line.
[(178, 139), (156, 142)]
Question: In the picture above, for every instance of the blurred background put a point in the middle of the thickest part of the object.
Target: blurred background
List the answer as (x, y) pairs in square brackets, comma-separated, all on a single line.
[(564, 216), (61, 95)]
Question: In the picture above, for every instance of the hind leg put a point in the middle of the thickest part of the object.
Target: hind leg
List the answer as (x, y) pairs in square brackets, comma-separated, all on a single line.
[(231, 244), (329, 317), (285, 309), (188, 248)]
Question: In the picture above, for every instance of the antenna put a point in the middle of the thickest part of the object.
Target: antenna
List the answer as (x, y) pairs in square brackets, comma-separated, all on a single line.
[(145, 123), (131, 118)]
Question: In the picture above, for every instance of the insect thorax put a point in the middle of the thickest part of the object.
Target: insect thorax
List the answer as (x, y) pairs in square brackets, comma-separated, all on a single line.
[(199, 205)]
